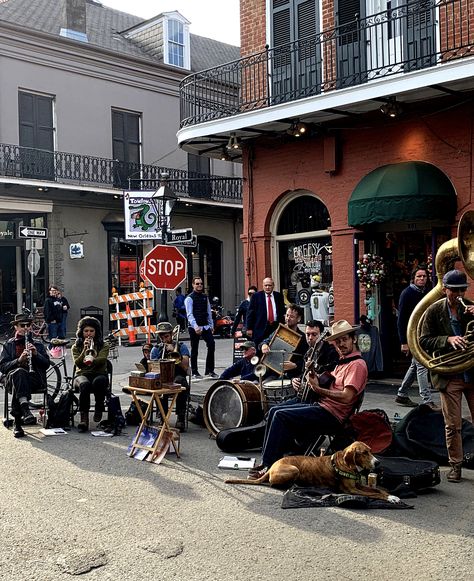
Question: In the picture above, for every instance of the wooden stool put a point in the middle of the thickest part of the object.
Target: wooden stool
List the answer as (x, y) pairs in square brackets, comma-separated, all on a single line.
[(166, 433)]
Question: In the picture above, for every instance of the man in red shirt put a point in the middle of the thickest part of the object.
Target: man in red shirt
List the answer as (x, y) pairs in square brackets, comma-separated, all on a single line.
[(335, 403)]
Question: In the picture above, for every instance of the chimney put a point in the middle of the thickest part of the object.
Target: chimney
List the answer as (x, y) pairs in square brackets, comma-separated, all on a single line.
[(74, 19)]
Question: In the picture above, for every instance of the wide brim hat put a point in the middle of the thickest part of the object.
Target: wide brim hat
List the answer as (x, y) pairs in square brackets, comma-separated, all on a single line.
[(164, 328), (455, 279), (22, 318), (340, 328)]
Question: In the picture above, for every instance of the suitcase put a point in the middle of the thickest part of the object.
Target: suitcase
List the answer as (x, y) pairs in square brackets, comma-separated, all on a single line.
[(243, 438), (412, 474)]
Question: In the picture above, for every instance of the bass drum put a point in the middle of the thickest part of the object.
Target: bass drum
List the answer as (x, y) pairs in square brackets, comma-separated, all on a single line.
[(231, 404)]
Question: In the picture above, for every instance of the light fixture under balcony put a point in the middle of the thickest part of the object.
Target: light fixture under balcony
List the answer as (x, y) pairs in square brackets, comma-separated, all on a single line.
[(224, 156), (297, 129), (234, 142), (391, 108)]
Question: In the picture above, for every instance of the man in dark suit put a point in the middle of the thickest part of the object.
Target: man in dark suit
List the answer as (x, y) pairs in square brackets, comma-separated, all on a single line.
[(266, 311)]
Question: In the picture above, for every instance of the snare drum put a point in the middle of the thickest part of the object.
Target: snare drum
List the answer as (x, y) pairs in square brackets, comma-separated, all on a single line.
[(231, 404), (277, 391)]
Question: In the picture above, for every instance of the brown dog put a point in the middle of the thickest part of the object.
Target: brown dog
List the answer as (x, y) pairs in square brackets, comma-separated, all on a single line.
[(340, 472)]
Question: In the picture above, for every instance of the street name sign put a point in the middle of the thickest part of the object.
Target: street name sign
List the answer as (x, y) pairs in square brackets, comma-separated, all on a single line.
[(27, 232), (179, 236)]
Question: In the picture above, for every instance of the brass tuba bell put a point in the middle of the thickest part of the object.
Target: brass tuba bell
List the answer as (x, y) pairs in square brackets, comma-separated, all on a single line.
[(459, 248)]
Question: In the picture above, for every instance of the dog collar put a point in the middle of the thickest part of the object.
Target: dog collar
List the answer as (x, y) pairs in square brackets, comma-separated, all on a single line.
[(343, 473)]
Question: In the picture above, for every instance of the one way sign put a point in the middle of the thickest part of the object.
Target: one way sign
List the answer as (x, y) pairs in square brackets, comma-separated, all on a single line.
[(27, 232)]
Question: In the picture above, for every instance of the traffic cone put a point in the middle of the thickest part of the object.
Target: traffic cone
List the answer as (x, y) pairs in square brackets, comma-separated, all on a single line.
[(132, 338)]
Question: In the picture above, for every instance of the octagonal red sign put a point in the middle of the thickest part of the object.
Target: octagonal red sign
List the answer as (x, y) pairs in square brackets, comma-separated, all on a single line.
[(165, 267)]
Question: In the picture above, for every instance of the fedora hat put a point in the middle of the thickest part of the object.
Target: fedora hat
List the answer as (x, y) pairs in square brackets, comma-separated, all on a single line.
[(340, 328)]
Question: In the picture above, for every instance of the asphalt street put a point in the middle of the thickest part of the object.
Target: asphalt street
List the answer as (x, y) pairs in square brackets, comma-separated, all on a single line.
[(78, 505)]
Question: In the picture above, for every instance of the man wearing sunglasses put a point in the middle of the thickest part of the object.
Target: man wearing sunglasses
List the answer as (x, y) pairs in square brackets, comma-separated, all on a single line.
[(24, 363)]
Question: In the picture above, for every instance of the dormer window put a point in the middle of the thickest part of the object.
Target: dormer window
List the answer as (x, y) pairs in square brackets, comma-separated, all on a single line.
[(176, 49)]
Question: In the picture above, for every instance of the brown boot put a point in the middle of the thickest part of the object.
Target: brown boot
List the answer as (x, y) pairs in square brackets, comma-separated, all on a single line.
[(83, 425), (454, 475)]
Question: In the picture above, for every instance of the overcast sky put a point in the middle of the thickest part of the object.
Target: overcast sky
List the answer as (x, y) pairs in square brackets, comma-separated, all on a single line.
[(218, 19)]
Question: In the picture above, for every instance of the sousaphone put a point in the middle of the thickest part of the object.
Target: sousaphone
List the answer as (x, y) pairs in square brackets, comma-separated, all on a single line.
[(459, 248)]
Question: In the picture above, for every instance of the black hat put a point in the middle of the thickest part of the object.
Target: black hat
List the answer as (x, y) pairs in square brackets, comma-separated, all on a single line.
[(22, 318), (455, 279)]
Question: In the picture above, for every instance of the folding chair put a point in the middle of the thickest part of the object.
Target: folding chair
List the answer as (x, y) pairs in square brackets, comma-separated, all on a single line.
[(39, 401), (338, 439), (109, 391)]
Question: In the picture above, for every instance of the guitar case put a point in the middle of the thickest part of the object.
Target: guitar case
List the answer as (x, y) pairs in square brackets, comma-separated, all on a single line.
[(243, 438), (394, 472)]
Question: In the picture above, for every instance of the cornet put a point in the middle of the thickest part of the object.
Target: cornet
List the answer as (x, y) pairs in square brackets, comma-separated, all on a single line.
[(90, 355)]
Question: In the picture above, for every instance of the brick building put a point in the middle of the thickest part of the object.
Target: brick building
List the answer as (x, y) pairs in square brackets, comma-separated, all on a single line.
[(353, 121)]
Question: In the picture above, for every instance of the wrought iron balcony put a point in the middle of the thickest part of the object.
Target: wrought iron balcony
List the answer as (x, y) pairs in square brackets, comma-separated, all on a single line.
[(72, 168), (416, 35)]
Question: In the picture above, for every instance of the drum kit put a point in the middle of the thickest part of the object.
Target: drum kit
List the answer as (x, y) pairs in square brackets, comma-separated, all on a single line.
[(236, 403)]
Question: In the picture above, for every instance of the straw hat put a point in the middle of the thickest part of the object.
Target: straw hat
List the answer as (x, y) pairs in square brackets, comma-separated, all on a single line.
[(340, 328)]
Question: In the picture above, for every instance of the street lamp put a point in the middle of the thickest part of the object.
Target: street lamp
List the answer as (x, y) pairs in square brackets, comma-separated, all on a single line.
[(164, 200)]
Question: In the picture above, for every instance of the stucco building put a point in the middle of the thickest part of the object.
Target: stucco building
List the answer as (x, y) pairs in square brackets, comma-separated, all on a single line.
[(89, 107)]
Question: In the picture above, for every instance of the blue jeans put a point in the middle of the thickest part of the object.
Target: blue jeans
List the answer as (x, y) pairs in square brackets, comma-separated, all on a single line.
[(417, 370), (297, 421), (53, 330)]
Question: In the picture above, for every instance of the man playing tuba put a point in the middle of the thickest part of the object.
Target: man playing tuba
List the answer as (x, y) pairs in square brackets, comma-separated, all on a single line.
[(167, 349), (444, 330)]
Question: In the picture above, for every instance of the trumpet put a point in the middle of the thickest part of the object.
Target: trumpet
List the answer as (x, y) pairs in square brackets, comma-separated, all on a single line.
[(91, 354)]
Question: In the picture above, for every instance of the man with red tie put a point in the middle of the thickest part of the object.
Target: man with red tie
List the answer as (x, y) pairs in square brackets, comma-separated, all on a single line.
[(266, 311)]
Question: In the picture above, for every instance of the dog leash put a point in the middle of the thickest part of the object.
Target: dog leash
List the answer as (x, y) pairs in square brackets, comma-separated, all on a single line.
[(343, 473)]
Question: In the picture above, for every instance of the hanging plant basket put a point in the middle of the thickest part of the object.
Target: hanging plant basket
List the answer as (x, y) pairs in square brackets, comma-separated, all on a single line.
[(370, 271)]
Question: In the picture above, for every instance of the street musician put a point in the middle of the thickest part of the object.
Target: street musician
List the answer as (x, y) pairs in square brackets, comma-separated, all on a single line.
[(293, 316), (24, 363), (321, 357), (335, 404), (170, 348), (445, 330)]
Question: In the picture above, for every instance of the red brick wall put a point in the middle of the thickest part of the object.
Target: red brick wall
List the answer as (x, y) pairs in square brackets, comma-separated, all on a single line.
[(252, 26), (443, 139)]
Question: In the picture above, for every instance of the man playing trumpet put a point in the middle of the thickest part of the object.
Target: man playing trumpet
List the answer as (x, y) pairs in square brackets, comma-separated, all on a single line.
[(443, 330), (166, 349), (24, 362)]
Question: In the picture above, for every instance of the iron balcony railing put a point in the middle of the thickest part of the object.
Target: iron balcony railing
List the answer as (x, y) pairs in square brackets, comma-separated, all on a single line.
[(73, 168), (405, 37)]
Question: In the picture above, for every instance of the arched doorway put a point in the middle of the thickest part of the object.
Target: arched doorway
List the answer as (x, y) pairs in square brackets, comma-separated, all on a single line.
[(302, 249)]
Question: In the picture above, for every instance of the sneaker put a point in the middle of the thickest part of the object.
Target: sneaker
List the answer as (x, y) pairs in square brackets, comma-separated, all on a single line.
[(212, 375), (256, 474), (405, 401), (197, 376), (433, 407)]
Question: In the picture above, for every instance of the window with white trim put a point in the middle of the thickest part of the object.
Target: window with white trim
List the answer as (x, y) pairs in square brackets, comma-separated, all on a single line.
[(176, 46)]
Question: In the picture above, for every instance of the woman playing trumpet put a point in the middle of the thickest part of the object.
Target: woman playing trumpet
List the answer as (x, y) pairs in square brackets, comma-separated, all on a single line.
[(90, 353)]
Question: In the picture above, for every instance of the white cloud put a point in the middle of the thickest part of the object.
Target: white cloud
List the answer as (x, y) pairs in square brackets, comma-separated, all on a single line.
[(210, 18)]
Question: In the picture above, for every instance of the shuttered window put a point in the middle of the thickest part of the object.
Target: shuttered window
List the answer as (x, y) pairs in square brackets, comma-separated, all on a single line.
[(35, 116)]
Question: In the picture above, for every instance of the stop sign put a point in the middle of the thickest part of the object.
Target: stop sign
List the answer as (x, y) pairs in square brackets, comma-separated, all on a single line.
[(165, 267)]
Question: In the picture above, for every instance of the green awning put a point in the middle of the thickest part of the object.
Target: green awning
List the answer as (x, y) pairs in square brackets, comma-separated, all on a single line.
[(400, 192)]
